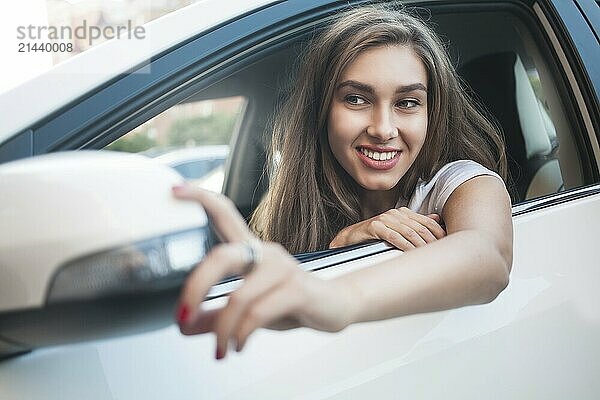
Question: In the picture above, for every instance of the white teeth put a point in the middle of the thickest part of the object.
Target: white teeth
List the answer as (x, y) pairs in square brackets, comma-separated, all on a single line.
[(388, 155)]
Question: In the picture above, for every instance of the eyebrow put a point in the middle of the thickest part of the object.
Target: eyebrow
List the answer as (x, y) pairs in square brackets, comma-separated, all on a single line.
[(368, 89)]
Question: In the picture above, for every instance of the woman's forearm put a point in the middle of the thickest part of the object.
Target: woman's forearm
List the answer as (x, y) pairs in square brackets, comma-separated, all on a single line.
[(462, 269)]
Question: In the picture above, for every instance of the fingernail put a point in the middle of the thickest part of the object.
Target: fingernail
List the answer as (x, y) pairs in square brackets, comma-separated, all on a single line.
[(183, 313), (178, 187), (219, 354)]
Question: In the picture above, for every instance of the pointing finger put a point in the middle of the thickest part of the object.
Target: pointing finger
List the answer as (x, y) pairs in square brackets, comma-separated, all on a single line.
[(224, 215)]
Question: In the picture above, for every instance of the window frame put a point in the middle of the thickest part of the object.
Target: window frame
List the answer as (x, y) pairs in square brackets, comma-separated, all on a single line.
[(95, 120)]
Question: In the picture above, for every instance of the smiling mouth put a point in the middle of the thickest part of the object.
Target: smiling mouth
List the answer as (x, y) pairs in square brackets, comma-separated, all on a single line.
[(378, 160), (378, 155)]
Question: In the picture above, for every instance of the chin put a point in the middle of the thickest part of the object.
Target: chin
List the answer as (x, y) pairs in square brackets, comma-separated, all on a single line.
[(377, 185)]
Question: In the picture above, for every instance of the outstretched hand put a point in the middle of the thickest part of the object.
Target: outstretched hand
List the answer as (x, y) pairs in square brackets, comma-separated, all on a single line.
[(401, 227), (275, 294)]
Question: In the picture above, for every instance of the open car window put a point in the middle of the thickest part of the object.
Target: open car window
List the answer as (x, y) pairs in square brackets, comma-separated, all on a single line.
[(192, 137), (526, 97)]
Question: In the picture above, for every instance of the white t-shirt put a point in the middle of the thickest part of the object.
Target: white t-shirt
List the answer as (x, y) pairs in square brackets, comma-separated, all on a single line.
[(430, 197)]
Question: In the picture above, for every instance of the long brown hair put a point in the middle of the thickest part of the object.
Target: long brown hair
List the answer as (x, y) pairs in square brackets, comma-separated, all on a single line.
[(310, 196)]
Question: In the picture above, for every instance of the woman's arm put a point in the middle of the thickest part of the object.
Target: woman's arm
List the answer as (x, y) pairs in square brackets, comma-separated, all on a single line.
[(401, 227), (469, 266)]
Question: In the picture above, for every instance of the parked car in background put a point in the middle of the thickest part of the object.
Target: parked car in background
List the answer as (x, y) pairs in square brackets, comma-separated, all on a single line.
[(537, 59), (201, 166)]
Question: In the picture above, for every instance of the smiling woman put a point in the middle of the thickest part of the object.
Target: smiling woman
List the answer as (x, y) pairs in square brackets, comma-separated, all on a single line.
[(377, 141), (377, 84)]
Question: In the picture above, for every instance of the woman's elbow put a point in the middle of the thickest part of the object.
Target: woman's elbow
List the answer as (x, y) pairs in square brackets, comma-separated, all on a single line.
[(502, 253), (499, 280), (497, 286), (500, 256)]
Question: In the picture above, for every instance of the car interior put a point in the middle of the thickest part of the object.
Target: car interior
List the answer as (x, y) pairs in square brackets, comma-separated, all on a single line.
[(505, 64)]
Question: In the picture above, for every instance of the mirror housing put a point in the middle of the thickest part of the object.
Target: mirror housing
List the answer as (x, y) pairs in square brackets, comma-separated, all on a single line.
[(93, 244)]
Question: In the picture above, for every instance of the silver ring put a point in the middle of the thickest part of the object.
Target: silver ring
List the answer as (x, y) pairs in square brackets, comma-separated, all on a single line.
[(252, 255)]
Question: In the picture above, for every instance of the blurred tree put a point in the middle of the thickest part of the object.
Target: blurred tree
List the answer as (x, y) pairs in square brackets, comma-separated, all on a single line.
[(132, 143), (198, 131)]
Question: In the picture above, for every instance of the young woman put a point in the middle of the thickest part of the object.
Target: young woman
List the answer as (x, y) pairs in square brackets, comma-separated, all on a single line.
[(341, 107), (380, 142)]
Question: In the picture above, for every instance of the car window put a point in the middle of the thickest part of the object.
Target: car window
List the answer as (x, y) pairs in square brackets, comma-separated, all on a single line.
[(502, 55), (192, 137)]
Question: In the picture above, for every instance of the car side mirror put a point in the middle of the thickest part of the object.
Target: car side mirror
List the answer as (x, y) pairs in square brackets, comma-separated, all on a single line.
[(92, 245)]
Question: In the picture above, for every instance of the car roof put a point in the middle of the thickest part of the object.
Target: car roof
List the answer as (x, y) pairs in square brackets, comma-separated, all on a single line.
[(37, 98)]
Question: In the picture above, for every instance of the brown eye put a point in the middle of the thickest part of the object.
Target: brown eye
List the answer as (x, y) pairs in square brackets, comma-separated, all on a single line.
[(355, 100), (408, 103)]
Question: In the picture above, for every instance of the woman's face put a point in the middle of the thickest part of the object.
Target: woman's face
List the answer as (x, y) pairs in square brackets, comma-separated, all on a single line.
[(378, 116)]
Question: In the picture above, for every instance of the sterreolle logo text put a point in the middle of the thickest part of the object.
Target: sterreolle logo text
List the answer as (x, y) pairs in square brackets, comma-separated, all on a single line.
[(86, 32)]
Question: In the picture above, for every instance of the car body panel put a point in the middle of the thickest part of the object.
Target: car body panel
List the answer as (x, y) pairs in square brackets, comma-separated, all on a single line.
[(538, 340)]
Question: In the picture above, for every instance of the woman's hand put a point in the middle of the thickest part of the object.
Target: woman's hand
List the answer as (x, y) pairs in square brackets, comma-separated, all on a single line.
[(401, 227), (276, 293)]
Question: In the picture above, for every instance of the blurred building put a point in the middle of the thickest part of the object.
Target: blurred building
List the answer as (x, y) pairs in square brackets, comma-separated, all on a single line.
[(104, 13)]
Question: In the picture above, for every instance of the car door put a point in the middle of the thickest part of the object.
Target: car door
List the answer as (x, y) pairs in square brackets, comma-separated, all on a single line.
[(536, 340)]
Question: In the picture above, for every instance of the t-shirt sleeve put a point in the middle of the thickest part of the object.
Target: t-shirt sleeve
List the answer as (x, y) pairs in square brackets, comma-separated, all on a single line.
[(430, 197)]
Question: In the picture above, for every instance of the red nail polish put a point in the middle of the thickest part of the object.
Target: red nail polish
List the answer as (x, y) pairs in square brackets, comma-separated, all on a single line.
[(219, 354), (183, 313)]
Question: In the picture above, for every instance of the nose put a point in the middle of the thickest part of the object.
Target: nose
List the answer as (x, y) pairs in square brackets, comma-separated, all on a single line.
[(382, 125)]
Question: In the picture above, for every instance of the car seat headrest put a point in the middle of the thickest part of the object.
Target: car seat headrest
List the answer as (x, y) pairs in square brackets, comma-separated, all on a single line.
[(535, 133)]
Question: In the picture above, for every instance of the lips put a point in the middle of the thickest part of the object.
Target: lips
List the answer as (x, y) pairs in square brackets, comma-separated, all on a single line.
[(378, 158)]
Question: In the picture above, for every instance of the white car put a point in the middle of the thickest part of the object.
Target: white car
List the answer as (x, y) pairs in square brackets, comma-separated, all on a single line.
[(534, 63), (202, 165)]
